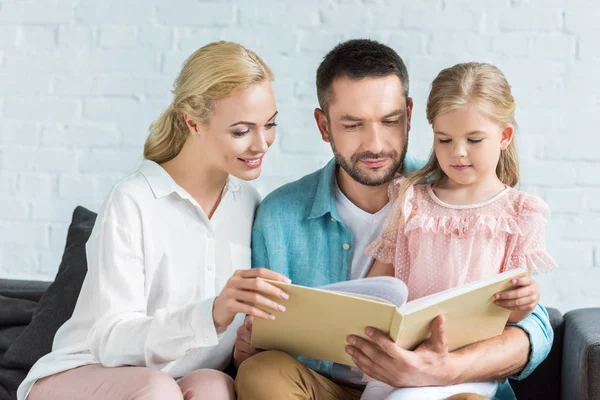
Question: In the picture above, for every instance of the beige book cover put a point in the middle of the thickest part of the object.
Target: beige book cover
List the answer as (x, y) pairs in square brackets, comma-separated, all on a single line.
[(317, 322)]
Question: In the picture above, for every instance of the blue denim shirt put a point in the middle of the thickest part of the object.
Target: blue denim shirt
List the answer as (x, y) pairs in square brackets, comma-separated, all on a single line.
[(298, 233)]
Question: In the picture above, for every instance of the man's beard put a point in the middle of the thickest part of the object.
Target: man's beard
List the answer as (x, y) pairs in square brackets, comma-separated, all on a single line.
[(352, 169)]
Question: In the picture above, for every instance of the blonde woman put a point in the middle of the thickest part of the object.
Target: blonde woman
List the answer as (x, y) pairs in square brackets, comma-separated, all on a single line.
[(459, 219), (169, 275)]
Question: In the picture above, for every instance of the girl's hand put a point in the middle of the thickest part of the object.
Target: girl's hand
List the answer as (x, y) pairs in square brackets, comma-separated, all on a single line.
[(521, 300), (243, 291)]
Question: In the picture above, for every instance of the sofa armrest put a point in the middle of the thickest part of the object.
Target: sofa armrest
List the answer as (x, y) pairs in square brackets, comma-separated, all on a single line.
[(581, 355)]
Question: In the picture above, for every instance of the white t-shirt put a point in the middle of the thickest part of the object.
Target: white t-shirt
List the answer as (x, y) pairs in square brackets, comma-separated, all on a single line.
[(365, 228), (155, 265)]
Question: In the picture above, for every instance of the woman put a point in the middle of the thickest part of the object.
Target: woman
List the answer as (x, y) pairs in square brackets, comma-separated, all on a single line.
[(168, 260)]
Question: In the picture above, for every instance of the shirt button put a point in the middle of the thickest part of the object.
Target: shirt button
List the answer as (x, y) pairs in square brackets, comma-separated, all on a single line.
[(210, 235), (209, 267), (346, 246)]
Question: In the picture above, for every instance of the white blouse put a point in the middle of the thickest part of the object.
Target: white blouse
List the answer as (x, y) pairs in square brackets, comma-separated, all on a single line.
[(155, 265)]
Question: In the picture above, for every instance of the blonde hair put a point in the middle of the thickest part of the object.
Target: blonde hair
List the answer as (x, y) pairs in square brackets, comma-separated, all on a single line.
[(213, 72), (484, 86)]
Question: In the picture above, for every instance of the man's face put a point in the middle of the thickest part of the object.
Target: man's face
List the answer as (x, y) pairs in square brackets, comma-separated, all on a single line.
[(367, 125)]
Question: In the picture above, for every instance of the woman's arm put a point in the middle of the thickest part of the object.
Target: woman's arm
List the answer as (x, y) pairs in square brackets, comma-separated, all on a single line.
[(123, 333)]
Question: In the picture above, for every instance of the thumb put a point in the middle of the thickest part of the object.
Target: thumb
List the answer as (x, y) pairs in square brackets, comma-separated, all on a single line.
[(437, 339)]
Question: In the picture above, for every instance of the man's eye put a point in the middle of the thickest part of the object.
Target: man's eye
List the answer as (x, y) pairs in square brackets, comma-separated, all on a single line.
[(351, 126), (391, 122)]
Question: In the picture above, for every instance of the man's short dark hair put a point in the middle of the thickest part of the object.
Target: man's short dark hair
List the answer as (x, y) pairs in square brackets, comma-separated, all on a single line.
[(357, 59)]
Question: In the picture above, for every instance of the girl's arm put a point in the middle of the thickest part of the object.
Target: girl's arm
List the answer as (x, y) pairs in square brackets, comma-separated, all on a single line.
[(381, 269)]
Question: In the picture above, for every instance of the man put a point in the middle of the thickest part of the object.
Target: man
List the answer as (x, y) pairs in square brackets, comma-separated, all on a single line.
[(315, 231)]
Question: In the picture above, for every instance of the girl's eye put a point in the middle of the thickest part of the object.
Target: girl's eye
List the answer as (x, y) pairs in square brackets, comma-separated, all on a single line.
[(475, 140), (271, 125), (240, 134), (445, 140)]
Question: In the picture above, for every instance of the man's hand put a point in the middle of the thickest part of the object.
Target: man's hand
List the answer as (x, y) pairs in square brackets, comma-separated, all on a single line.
[(428, 365), (243, 349)]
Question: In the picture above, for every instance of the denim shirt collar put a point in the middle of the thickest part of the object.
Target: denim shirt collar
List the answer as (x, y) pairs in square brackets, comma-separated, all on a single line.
[(324, 202)]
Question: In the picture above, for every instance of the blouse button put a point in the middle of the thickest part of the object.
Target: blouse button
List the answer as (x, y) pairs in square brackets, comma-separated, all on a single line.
[(346, 246)]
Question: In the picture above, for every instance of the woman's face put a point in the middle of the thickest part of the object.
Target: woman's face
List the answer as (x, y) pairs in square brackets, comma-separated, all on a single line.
[(240, 131)]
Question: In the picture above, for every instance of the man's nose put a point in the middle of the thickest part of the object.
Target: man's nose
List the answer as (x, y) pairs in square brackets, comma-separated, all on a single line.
[(372, 140)]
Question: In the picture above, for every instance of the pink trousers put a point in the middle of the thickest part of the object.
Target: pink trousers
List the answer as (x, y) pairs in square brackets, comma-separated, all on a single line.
[(95, 382)]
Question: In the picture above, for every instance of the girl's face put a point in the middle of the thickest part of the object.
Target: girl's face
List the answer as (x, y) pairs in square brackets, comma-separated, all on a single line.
[(240, 131), (467, 144)]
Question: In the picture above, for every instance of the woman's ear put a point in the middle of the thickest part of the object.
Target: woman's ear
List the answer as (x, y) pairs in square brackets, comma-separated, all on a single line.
[(506, 136), (192, 125)]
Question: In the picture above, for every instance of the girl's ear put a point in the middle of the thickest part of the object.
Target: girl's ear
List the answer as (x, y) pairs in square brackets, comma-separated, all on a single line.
[(506, 136)]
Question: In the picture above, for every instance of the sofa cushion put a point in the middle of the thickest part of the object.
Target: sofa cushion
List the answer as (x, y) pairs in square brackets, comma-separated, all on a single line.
[(57, 304)]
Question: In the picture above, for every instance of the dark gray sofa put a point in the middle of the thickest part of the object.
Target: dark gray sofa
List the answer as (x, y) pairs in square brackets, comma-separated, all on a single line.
[(571, 371)]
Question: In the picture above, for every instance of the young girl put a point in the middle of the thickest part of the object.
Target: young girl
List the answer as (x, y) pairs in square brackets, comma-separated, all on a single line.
[(459, 219), (168, 276)]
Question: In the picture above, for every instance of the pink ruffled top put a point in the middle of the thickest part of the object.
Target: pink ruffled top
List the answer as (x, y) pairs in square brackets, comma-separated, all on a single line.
[(436, 246)]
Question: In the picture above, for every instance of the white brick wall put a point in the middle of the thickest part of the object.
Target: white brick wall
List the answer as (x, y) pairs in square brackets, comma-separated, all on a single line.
[(81, 81)]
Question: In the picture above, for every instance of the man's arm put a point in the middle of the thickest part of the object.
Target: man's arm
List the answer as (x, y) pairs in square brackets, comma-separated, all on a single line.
[(260, 257), (515, 354), (519, 349)]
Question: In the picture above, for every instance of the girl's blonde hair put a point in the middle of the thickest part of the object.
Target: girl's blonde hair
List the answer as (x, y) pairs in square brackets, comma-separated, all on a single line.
[(213, 72), (484, 86)]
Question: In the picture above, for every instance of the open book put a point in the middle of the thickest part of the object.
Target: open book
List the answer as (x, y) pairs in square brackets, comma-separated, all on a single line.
[(317, 322)]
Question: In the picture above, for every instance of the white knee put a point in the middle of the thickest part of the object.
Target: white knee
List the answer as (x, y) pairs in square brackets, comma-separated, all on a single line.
[(155, 385)]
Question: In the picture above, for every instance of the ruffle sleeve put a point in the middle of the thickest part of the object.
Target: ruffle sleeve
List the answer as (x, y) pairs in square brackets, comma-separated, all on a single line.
[(530, 250)]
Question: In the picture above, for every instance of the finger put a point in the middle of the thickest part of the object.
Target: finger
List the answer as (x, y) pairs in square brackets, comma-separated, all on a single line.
[(243, 308), (438, 341), (515, 293), (257, 299), (371, 350), (383, 341), (243, 346), (243, 333), (257, 285), (525, 303), (522, 281), (263, 273), (365, 363)]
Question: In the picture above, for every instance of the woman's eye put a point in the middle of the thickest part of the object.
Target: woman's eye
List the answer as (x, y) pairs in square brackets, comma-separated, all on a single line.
[(475, 140), (240, 133), (271, 125), (445, 140)]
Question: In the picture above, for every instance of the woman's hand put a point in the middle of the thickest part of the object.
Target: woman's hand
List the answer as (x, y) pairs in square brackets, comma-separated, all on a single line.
[(243, 292), (521, 300)]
